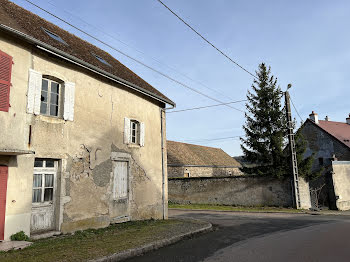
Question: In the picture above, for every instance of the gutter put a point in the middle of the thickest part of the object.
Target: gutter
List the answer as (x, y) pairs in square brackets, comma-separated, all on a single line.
[(72, 59)]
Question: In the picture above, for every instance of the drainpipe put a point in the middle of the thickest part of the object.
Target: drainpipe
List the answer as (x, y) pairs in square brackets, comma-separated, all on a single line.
[(162, 110)]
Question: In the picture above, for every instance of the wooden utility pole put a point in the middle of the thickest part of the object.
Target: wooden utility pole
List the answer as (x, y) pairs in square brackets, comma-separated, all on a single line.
[(294, 162)]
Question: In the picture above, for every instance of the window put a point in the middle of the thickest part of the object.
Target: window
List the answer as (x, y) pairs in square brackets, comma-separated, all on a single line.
[(101, 59), (43, 180), (320, 161), (54, 36), (134, 132), (50, 97), (5, 81)]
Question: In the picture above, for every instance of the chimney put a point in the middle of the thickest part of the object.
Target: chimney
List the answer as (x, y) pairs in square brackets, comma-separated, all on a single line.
[(348, 120), (327, 118), (314, 117)]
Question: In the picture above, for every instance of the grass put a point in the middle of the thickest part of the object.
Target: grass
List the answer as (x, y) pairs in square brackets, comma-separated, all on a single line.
[(234, 208), (95, 243)]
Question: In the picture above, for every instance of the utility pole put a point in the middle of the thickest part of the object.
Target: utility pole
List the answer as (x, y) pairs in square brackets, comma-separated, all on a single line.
[(294, 162)]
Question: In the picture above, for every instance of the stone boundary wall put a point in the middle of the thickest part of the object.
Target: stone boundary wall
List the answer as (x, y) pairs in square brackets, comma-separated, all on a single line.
[(236, 191), (202, 171), (341, 182)]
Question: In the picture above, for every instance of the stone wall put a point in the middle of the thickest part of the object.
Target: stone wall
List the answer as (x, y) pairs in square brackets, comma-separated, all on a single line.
[(341, 182), (202, 171), (236, 191)]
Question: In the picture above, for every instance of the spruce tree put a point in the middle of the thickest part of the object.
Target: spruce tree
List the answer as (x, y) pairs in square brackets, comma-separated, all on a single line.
[(265, 126)]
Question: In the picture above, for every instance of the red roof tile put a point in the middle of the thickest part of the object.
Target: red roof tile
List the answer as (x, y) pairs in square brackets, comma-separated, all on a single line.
[(20, 19), (339, 130)]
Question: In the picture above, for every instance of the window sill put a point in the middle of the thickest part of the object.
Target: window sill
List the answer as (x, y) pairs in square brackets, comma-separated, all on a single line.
[(133, 146), (50, 119)]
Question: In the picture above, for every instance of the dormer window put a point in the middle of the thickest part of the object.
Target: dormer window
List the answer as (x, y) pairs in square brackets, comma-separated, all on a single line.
[(101, 59), (54, 36)]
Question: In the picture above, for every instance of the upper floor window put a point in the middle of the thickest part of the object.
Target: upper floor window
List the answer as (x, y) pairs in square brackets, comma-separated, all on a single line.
[(47, 95), (50, 98), (134, 132)]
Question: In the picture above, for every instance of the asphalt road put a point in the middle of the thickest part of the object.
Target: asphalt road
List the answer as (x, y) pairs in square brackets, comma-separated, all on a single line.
[(260, 237)]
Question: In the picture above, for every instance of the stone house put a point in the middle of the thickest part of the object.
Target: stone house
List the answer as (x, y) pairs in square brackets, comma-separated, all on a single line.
[(187, 160), (82, 141), (327, 139)]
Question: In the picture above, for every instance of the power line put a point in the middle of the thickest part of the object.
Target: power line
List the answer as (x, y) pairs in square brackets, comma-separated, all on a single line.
[(212, 139), (301, 120), (141, 52), (201, 107), (134, 59), (206, 40)]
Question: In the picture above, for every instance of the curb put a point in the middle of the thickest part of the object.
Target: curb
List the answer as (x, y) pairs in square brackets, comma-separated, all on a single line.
[(153, 246)]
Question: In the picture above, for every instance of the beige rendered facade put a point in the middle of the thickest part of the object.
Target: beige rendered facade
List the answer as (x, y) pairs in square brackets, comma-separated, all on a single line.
[(78, 182)]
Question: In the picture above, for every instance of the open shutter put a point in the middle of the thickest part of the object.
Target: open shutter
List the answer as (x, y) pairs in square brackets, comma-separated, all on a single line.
[(69, 100), (126, 130), (142, 134), (5, 81), (34, 92)]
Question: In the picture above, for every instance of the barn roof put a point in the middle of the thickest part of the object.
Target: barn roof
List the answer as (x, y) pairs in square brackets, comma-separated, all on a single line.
[(182, 154), (39, 32)]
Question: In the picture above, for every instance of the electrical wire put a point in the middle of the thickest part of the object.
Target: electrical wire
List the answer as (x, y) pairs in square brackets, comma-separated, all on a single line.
[(301, 120), (141, 52), (134, 59), (212, 139), (201, 107), (206, 40)]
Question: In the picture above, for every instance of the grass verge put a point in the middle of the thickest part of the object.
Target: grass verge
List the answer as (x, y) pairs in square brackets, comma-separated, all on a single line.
[(235, 208), (96, 243)]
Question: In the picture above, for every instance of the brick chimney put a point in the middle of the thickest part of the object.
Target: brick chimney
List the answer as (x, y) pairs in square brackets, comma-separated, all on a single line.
[(348, 120), (314, 117), (327, 118)]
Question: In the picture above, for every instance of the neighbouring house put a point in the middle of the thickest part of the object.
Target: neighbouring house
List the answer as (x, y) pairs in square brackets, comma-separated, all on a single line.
[(187, 160), (329, 141), (82, 141)]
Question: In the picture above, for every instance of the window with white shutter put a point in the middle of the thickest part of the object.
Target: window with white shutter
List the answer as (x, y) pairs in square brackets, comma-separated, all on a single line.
[(5, 81), (120, 180), (50, 96), (134, 132)]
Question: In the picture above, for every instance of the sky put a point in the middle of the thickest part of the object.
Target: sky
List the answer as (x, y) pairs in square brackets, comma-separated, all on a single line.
[(306, 43)]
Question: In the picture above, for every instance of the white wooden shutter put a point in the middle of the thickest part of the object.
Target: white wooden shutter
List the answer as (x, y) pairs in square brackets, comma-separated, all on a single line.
[(126, 130), (142, 134), (120, 185), (34, 92), (69, 100)]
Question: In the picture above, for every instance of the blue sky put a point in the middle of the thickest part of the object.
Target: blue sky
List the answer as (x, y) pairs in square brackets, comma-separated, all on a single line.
[(306, 43)]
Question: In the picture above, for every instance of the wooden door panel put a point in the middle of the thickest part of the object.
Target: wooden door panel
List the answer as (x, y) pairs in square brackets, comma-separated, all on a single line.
[(3, 190)]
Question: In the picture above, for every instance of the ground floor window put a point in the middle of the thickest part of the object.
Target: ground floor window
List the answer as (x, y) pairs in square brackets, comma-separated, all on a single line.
[(44, 180)]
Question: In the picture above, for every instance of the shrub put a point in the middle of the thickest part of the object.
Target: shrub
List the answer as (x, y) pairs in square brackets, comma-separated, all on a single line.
[(19, 236)]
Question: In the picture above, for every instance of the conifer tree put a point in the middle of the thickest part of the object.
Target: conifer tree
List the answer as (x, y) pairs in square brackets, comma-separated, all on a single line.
[(265, 126)]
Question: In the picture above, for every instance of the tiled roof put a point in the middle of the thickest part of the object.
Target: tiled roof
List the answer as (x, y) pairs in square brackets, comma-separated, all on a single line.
[(339, 130), (188, 154), (22, 20)]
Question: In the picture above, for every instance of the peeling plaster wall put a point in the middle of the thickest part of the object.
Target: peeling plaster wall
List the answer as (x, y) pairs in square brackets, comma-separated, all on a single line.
[(341, 182), (83, 147)]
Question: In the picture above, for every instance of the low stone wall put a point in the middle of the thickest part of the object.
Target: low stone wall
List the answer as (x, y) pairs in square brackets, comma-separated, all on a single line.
[(202, 171), (236, 191)]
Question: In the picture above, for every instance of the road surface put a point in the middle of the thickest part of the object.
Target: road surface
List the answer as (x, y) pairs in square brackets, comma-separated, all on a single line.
[(260, 237)]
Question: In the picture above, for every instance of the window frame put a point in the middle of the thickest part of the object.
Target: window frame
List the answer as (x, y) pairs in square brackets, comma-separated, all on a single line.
[(135, 123), (49, 96), (43, 171)]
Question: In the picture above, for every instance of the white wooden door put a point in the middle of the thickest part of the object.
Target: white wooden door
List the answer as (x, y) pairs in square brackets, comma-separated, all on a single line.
[(43, 195), (121, 190)]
